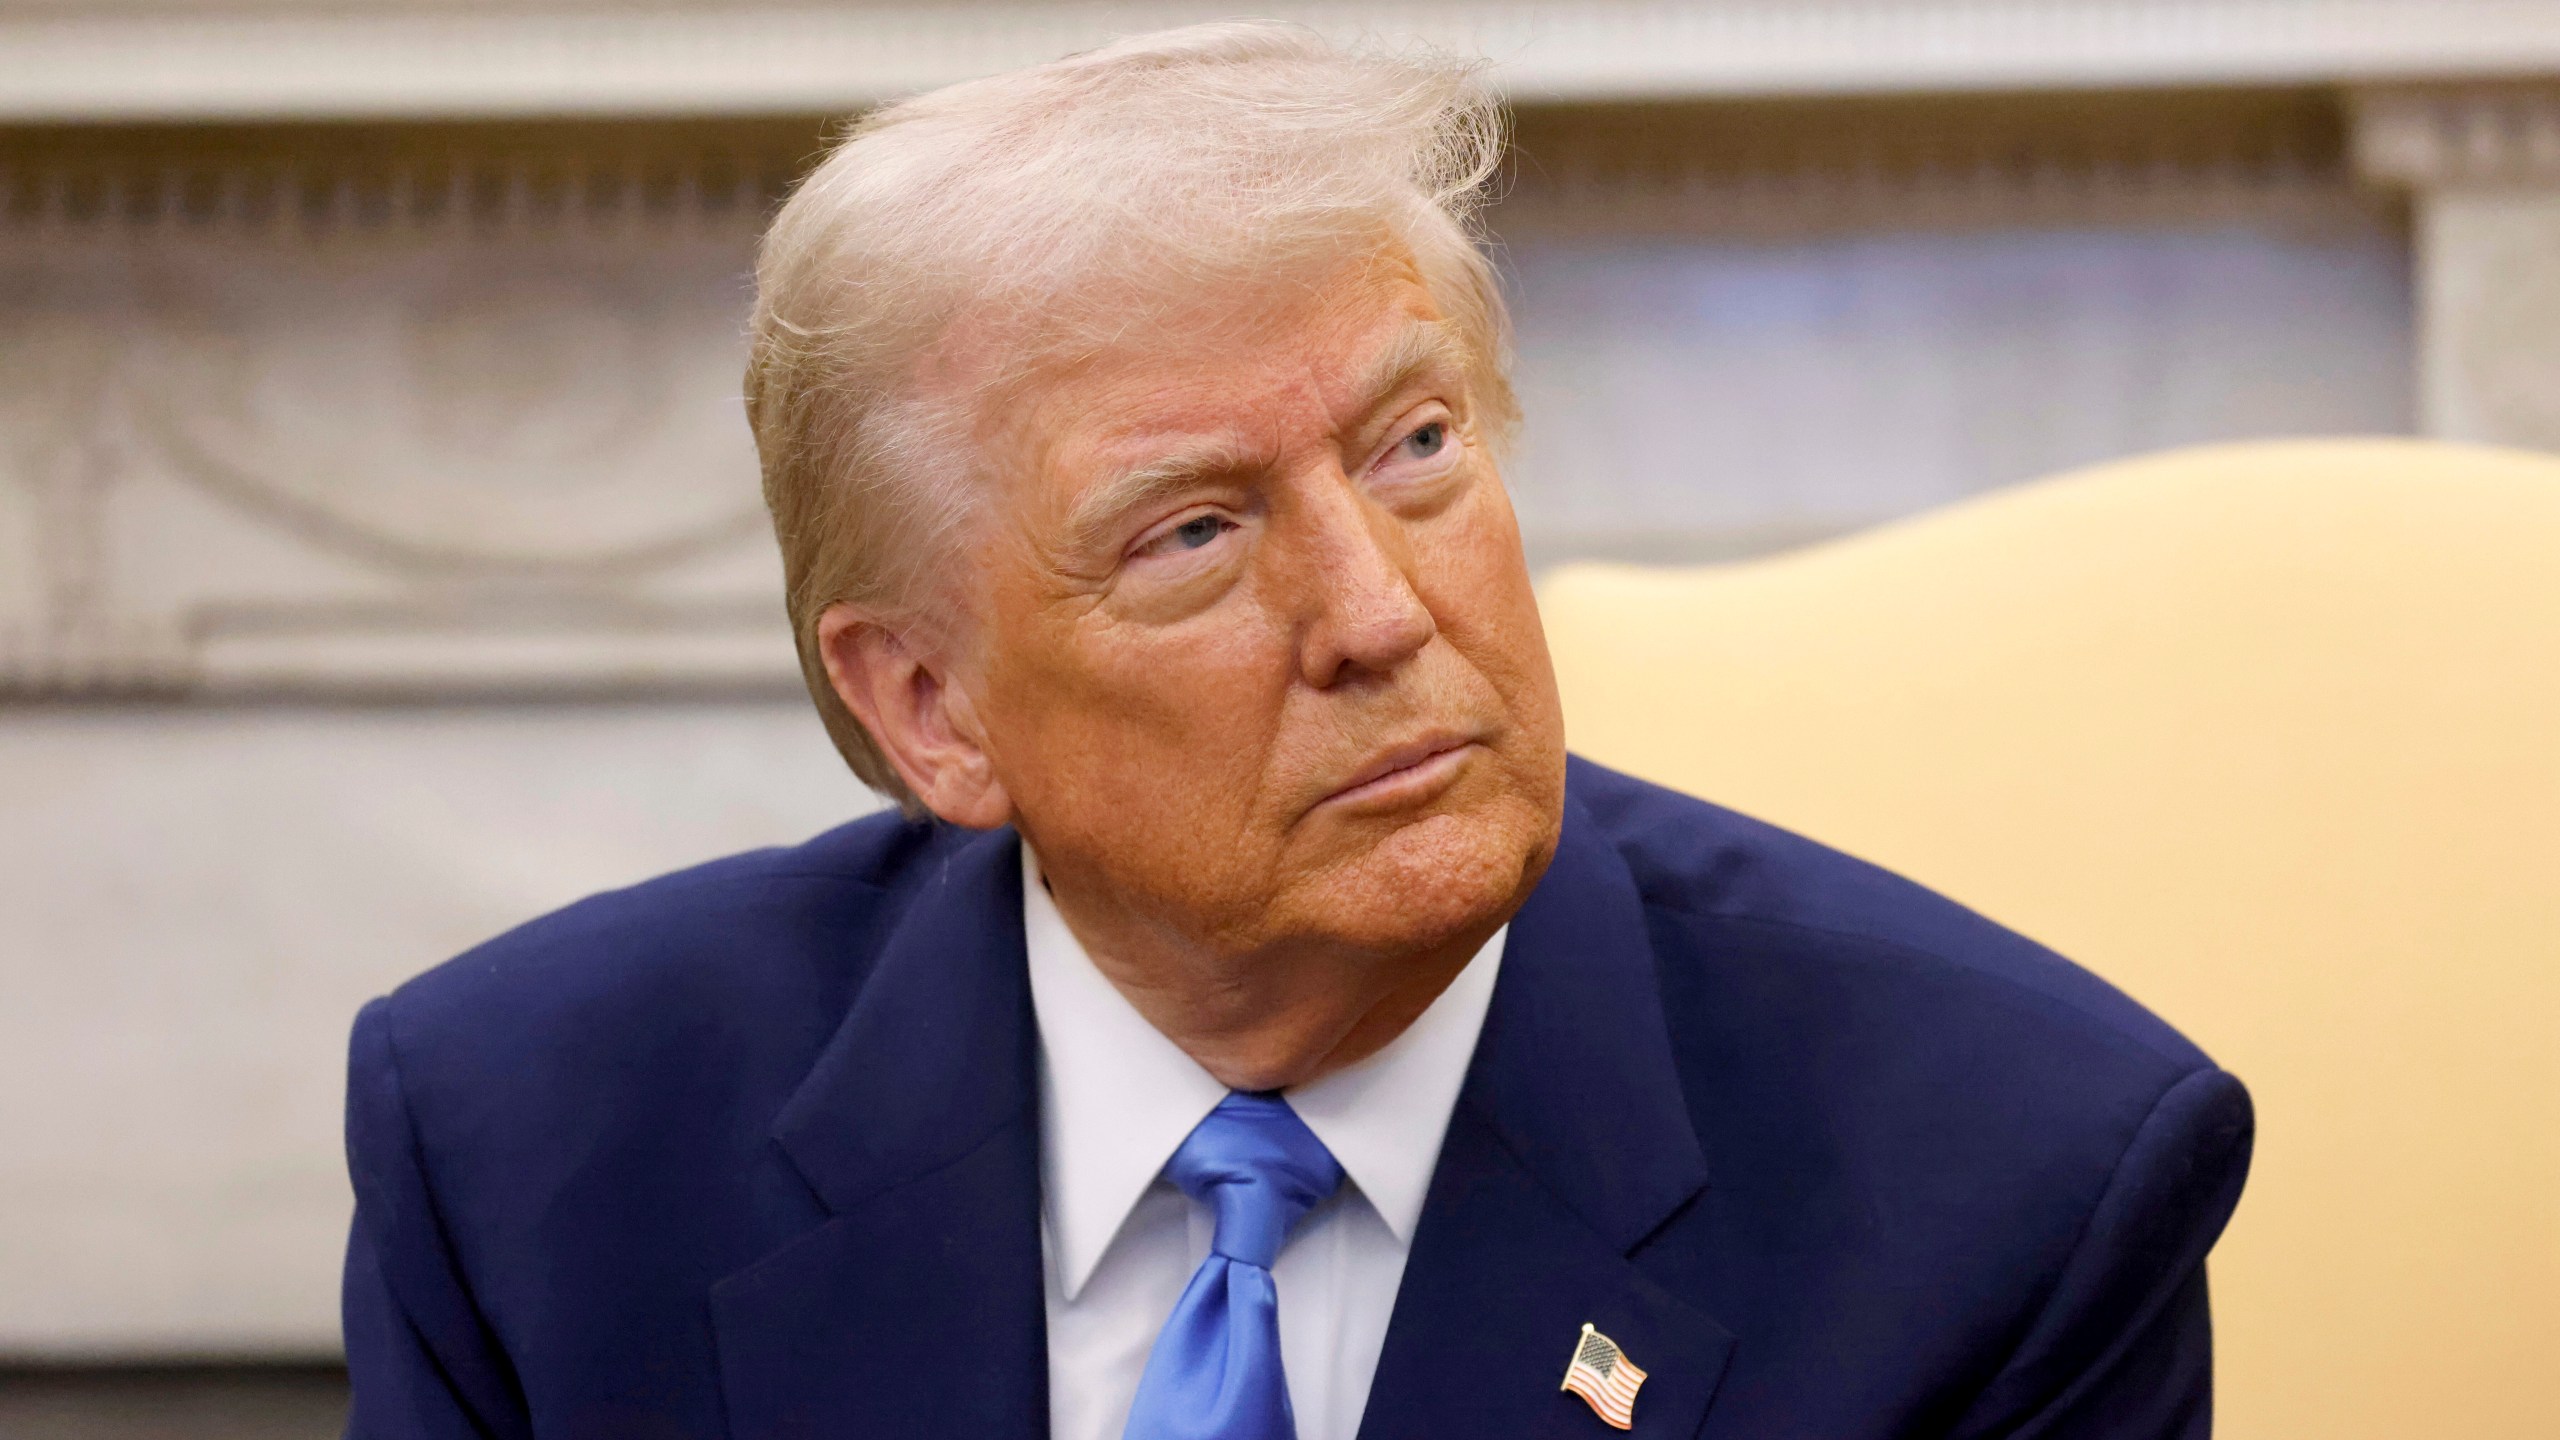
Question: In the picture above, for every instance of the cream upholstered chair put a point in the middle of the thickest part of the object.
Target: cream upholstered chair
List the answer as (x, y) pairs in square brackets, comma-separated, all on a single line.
[(2269, 735)]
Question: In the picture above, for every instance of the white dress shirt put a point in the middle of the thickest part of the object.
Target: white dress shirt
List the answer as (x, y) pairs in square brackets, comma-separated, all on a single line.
[(1117, 1098)]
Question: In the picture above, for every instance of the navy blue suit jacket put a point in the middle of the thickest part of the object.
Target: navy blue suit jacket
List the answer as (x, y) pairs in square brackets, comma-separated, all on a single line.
[(752, 1151)]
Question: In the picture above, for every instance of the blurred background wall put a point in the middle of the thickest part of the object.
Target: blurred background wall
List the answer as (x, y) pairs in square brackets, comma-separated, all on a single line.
[(380, 556)]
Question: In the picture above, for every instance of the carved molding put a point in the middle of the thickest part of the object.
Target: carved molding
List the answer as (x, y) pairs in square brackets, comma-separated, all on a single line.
[(432, 410), (372, 431), (150, 59)]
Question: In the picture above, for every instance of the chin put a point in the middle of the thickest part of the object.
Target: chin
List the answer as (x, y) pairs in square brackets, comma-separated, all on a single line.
[(1433, 880)]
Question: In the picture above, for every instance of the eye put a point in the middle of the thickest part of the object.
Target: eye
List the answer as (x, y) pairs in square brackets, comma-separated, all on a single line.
[(1425, 442), (1198, 532), (1193, 533)]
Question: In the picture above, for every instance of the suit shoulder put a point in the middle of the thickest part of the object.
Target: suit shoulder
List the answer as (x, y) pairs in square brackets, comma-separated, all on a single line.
[(1731, 874)]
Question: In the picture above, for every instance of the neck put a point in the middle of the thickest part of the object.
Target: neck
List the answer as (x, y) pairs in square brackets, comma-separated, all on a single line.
[(1274, 1015)]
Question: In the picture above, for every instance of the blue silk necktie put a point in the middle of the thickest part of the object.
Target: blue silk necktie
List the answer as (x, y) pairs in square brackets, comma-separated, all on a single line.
[(1214, 1373)]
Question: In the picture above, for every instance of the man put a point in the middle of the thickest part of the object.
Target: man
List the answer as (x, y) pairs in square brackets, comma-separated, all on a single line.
[(1253, 1026)]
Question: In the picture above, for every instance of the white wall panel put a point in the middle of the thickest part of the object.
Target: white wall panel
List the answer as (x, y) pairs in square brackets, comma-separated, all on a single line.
[(194, 902)]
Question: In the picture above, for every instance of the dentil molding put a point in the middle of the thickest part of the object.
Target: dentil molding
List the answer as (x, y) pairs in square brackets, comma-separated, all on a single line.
[(2425, 137), (1785, 168), (251, 59)]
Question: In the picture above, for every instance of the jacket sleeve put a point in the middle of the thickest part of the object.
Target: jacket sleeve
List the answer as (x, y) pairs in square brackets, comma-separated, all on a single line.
[(422, 1362), (2123, 1347)]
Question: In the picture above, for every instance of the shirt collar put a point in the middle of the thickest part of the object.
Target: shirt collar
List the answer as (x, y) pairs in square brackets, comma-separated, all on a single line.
[(1117, 1097)]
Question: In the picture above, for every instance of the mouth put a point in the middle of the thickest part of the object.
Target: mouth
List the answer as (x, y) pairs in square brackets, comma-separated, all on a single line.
[(1409, 774)]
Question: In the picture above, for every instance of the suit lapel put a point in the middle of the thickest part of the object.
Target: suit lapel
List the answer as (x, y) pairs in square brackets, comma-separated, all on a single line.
[(1571, 1144), (915, 1308)]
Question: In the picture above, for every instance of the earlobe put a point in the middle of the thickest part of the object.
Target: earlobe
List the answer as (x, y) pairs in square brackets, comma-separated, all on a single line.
[(923, 722)]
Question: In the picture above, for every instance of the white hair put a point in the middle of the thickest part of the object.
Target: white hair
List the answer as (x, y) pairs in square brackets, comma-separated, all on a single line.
[(1053, 205)]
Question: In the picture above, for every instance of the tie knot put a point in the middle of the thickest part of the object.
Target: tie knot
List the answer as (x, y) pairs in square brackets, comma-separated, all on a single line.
[(1260, 1168)]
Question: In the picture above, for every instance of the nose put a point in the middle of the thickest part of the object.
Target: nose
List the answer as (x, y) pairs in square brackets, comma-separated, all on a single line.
[(1364, 616)]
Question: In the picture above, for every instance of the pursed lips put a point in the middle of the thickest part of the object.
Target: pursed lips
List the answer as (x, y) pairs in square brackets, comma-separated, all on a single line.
[(1401, 765)]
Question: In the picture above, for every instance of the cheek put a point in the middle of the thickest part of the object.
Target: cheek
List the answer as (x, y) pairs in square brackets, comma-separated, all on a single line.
[(1477, 585), (1172, 718)]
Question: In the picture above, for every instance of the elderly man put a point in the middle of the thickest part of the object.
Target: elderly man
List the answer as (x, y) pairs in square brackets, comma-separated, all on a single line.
[(1253, 1026)]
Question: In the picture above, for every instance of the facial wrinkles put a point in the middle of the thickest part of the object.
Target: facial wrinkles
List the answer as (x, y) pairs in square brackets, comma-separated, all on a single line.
[(1231, 646), (1258, 744), (1363, 710), (1326, 540), (1061, 695)]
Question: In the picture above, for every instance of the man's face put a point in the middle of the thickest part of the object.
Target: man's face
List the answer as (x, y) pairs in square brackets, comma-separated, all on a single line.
[(1257, 651)]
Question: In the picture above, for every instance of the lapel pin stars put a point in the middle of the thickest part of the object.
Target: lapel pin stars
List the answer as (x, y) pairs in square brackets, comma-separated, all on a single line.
[(1605, 1378)]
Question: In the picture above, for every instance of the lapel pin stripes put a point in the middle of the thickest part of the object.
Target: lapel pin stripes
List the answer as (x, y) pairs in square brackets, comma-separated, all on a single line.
[(1605, 1378)]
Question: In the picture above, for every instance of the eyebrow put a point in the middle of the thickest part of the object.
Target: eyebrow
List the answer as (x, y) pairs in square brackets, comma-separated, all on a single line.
[(1418, 349), (1181, 469)]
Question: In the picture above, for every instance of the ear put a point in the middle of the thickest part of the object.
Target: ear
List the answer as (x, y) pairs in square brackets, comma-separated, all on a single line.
[(904, 694)]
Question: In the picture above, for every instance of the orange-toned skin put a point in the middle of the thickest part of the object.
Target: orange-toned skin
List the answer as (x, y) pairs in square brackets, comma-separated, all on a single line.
[(1185, 702)]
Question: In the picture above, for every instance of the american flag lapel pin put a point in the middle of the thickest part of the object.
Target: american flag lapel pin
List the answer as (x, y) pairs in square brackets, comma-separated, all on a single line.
[(1605, 1378)]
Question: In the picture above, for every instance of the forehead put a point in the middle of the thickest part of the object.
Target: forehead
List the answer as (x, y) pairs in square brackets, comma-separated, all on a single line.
[(1241, 361)]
